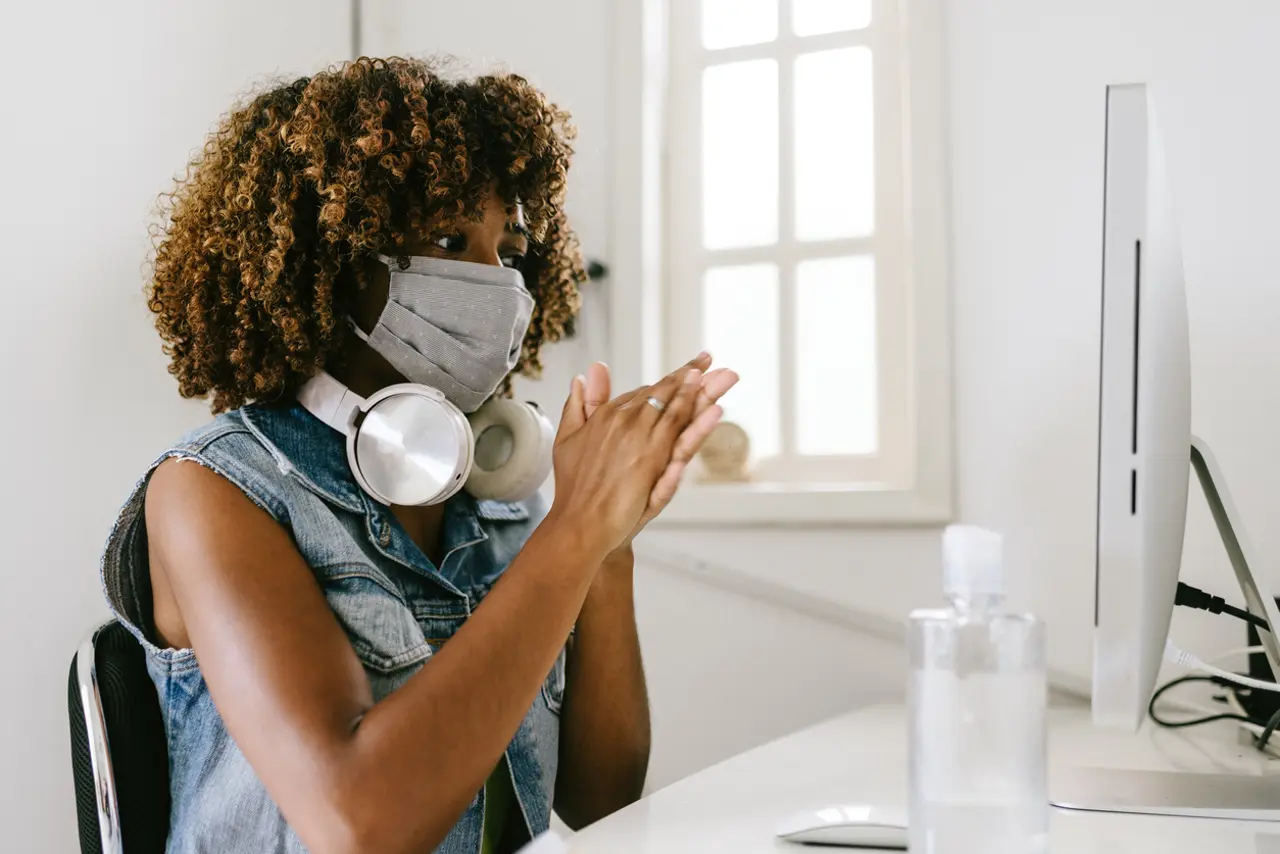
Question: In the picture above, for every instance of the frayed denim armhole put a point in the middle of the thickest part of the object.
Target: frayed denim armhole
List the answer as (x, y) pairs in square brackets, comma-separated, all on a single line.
[(124, 570)]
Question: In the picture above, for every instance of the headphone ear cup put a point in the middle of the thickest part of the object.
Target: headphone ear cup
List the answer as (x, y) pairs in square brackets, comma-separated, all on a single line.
[(513, 451), (412, 447)]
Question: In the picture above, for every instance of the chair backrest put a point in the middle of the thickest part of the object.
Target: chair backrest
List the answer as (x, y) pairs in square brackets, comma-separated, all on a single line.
[(119, 752)]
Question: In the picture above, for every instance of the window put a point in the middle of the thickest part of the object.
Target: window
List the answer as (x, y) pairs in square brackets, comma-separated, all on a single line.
[(799, 238)]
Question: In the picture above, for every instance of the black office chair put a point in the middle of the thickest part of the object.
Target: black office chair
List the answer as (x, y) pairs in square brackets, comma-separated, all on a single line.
[(119, 753)]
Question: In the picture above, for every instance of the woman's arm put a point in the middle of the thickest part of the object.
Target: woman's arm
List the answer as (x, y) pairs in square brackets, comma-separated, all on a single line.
[(604, 724), (348, 775)]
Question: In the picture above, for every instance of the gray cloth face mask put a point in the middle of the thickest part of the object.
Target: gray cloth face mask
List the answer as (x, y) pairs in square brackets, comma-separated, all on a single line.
[(456, 326)]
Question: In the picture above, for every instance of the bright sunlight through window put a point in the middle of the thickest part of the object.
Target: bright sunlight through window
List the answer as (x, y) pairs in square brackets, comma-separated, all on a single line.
[(786, 228)]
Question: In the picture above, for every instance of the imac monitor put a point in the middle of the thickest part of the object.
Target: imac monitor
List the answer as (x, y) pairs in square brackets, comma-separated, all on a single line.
[(1144, 416), (1146, 453), (1145, 446)]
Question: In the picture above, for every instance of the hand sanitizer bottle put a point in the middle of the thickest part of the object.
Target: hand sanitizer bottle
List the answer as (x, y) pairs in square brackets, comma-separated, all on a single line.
[(977, 698)]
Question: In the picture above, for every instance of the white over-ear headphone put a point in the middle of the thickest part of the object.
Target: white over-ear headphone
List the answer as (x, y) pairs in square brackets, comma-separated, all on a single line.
[(408, 445)]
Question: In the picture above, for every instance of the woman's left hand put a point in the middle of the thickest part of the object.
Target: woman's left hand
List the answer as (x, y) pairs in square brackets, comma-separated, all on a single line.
[(706, 415)]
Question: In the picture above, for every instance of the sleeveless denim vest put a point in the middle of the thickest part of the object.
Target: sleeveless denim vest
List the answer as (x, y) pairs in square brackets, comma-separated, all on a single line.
[(396, 607)]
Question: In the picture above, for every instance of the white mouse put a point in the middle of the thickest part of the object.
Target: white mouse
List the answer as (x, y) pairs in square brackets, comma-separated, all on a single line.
[(849, 826)]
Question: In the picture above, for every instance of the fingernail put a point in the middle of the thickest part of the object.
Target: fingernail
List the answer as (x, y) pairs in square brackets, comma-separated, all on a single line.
[(692, 376), (580, 379), (703, 355)]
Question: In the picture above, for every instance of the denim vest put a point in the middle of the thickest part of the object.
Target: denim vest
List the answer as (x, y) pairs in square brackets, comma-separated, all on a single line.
[(396, 607)]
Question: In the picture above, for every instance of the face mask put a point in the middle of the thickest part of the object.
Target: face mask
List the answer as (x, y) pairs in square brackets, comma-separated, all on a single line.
[(456, 326)]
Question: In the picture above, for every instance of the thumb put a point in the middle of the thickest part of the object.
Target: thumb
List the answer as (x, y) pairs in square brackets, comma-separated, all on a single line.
[(596, 387), (574, 414)]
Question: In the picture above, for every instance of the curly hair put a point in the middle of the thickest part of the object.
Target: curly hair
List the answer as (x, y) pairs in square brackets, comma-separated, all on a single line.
[(262, 246)]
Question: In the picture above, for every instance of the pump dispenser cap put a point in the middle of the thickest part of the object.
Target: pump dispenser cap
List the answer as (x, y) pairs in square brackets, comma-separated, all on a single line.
[(971, 562)]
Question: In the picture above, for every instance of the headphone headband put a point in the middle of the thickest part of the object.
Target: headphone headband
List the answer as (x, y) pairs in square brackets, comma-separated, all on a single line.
[(414, 447), (330, 401)]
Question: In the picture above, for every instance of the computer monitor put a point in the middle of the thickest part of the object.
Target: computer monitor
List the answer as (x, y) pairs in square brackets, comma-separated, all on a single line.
[(1145, 455), (1144, 430), (1144, 435)]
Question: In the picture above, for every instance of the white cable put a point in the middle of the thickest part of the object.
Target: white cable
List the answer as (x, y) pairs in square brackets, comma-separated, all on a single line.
[(1235, 653), (1185, 659), (1174, 655)]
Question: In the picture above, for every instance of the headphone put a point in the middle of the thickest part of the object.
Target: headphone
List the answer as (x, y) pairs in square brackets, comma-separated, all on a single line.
[(408, 445)]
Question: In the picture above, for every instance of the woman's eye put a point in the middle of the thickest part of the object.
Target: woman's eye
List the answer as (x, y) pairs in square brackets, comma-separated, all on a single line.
[(452, 243), (515, 261)]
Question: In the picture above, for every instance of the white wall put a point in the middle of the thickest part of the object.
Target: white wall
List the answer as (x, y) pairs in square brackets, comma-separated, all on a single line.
[(102, 103), (1027, 120)]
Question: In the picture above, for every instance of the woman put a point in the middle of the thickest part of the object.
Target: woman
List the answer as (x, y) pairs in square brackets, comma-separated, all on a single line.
[(340, 675)]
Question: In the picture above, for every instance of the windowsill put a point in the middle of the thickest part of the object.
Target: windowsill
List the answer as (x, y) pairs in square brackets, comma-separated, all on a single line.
[(801, 505)]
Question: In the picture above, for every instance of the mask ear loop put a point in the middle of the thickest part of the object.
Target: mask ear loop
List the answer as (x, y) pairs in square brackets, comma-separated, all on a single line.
[(351, 322), (360, 333), (391, 265)]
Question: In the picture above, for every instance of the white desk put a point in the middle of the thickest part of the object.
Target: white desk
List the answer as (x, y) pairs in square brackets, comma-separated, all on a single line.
[(735, 806)]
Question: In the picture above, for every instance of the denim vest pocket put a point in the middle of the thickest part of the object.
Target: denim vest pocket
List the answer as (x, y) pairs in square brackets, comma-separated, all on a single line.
[(379, 623), (439, 619), (553, 687)]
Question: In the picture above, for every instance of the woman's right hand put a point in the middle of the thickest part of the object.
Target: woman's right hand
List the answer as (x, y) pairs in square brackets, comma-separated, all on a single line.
[(606, 466)]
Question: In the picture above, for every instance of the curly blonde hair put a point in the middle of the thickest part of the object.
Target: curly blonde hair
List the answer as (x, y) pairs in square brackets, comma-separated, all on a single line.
[(262, 246)]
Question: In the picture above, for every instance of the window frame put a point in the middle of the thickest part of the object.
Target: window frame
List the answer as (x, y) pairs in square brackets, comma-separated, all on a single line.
[(910, 482)]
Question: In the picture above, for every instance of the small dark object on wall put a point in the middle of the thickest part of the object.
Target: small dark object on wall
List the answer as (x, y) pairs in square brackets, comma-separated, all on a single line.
[(596, 270)]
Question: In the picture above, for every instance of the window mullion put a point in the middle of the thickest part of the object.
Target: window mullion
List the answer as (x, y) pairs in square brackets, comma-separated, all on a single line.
[(787, 337), (683, 203), (893, 334)]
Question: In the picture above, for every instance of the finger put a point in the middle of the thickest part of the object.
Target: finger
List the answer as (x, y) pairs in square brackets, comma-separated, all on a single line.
[(687, 444), (661, 391), (597, 388), (574, 415), (692, 437), (666, 384), (678, 411), (715, 385), (665, 489)]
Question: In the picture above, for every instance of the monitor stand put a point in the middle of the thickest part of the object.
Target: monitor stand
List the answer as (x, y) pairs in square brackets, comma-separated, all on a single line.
[(1173, 793), (1242, 556)]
